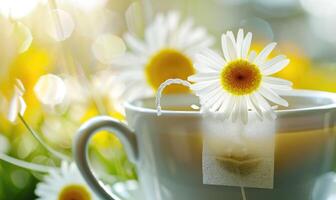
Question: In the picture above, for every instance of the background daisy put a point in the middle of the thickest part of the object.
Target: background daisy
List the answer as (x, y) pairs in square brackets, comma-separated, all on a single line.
[(239, 80), (166, 51), (64, 184)]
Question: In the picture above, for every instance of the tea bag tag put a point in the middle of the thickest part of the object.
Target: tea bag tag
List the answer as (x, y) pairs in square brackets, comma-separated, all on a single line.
[(238, 154)]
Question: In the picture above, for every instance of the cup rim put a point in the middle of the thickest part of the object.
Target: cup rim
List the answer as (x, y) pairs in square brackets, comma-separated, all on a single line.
[(130, 105)]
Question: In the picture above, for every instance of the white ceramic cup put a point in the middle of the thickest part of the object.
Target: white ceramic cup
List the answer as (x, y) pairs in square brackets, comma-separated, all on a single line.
[(167, 149)]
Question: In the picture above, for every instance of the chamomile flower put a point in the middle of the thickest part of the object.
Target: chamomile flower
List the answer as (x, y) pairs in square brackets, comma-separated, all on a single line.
[(167, 51), (65, 183), (239, 80)]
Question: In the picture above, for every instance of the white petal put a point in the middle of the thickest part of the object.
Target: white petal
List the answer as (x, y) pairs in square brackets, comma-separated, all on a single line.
[(225, 48), (197, 35), (197, 40), (219, 102), (277, 86), (236, 109), (278, 81), (205, 43), (251, 101), (272, 96), (203, 77), (243, 110), (149, 35), (202, 59), (231, 36), (128, 60), (267, 109), (158, 36), (227, 106), (231, 47), (264, 53), (134, 43), (246, 45), (205, 91), (275, 68), (13, 109), (162, 31), (254, 101), (200, 85), (239, 44), (204, 68), (17, 105), (252, 56), (214, 56), (212, 98), (182, 32), (173, 19), (272, 61)]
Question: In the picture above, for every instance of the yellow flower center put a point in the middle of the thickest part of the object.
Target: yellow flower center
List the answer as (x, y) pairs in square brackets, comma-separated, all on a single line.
[(240, 77), (167, 64), (74, 192)]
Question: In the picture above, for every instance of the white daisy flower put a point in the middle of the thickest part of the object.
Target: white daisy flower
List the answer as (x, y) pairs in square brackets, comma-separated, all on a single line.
[(17, 104), (240, 80), (64, 184), (167, 51)]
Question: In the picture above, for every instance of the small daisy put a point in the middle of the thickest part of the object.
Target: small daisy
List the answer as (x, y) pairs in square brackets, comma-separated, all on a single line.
[(167, 51), (240, 80), (65, 183)]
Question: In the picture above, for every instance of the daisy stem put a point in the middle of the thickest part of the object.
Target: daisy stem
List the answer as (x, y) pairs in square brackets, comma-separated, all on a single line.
[(45, 145), (24, 164)]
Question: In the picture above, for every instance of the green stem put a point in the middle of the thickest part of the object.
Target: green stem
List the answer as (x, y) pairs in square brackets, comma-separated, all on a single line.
[(45, 145), (24, 164)]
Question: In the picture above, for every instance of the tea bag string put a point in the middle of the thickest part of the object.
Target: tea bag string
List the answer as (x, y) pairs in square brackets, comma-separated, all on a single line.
[(242, 189), (163, 86)]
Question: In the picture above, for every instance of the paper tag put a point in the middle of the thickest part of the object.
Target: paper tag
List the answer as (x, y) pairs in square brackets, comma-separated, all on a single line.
[(237, 154)]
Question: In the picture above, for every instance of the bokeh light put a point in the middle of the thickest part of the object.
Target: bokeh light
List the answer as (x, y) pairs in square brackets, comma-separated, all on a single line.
[(108, 46), (23, 36), (17, 8), (60, 25)]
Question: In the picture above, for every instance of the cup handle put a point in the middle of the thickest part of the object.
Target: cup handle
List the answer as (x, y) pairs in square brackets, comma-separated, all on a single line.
[(80, 147)]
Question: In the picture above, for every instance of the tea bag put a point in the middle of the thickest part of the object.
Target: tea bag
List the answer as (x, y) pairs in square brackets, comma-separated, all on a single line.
[(234, 153), (238, 154)]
